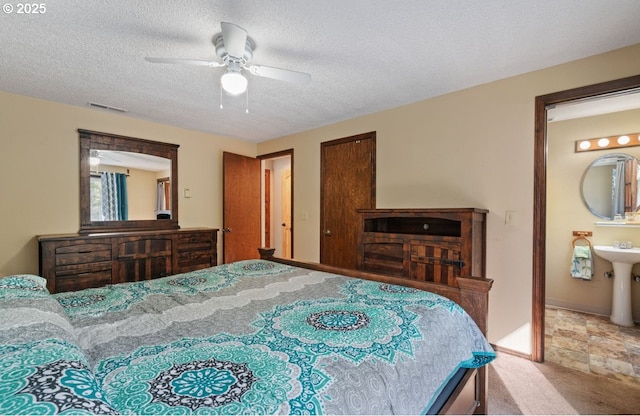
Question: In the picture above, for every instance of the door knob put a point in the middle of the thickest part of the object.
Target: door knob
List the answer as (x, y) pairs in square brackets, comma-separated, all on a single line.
[(327, 232), (226, 230)]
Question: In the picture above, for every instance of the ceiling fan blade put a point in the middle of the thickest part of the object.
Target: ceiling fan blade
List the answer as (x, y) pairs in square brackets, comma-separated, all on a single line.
[(212, 64), (280, 74), (235, 39)]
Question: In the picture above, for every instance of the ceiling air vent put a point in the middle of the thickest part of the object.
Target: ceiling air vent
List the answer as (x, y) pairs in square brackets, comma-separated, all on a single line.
[(107, 107)]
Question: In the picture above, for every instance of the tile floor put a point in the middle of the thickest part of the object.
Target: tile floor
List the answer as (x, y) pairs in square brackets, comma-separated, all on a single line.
[(593, 344)]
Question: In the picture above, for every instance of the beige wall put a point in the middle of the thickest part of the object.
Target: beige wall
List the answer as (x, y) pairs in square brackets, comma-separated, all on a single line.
[(39, 168), (471, 148), (566, 212)]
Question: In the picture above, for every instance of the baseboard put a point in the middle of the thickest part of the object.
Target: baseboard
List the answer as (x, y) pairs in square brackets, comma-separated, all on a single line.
[(578, 307), (509, 351)]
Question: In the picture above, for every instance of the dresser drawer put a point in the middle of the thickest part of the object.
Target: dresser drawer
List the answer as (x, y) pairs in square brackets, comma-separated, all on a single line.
[(194, 260), (67, 280), (82, 253), (195, 239), (196, 250)]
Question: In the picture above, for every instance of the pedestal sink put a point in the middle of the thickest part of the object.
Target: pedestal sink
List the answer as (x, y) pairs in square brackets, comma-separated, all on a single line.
[(623, 260)]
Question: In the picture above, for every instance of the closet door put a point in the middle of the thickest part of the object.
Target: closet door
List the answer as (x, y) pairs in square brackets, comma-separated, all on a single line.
[(347, 183)]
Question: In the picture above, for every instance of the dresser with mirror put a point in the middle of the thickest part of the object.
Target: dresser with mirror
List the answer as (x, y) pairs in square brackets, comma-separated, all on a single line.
[(128, 219)]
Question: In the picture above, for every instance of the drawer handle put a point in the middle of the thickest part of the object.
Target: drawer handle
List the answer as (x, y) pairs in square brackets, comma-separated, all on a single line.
[(458, 263), (447, 262), (85, 252)]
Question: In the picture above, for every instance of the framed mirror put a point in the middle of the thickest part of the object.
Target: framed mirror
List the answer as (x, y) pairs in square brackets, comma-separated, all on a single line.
[(610, 186), (127, 184)]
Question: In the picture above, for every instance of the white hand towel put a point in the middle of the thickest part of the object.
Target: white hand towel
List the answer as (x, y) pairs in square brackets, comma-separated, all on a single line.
[(581, 264)]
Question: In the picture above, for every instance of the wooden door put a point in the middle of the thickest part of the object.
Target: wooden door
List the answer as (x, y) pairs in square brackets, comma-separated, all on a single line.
[(347, 184), (241, 207), (267, 207), (286, 214)]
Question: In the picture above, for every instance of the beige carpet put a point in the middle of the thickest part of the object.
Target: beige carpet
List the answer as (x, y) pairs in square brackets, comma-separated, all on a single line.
[(520, 386)]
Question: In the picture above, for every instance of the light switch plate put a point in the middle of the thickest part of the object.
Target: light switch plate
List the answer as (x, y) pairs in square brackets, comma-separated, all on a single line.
[(509, 217)]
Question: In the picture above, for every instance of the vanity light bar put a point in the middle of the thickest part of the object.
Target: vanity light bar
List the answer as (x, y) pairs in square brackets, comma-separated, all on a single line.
[(601, 143)]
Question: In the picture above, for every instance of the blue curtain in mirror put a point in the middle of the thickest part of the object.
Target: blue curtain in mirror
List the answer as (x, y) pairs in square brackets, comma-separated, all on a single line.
[(114, 196)]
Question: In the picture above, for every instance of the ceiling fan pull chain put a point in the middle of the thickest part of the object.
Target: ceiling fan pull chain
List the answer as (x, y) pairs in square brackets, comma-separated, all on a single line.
[(246, 110), (221, 107)]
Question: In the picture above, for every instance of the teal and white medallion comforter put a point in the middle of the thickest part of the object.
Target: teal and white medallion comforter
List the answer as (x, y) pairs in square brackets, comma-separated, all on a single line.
[(252, 337)]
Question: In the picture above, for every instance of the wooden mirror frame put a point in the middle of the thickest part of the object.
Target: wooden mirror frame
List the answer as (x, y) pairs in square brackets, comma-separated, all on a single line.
[(105, 141)]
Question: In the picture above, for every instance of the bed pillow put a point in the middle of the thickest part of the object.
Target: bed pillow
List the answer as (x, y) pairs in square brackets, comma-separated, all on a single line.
[(22, 284), (43, 369), (28, 312)]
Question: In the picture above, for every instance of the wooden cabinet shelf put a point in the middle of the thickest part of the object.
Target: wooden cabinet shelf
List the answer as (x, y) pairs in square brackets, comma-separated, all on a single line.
[(423, 244), (73, 261)]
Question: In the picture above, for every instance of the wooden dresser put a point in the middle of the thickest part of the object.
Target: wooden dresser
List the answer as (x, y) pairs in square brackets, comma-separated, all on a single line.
[(434, 245), (76, 261)]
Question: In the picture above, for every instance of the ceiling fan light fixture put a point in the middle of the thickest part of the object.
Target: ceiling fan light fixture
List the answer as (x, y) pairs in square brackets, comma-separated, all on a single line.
[(233, 82)]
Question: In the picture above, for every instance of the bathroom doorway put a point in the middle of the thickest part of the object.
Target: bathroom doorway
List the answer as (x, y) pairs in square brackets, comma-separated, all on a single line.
[(542, 103)]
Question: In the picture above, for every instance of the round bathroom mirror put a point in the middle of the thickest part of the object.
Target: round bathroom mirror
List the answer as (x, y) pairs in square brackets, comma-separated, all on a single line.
[(610, 185)]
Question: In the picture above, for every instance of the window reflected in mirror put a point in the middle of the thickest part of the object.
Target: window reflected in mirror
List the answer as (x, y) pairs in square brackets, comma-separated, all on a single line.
[(163, 199)]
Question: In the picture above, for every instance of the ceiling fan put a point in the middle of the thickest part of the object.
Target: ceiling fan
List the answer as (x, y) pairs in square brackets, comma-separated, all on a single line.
[(235, 50)]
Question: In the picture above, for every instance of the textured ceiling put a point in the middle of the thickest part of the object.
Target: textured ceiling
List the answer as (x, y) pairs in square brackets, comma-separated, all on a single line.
[(364, 56)]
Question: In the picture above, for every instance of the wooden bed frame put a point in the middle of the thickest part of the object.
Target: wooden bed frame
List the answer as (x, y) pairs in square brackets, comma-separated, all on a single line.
[(472, 294)]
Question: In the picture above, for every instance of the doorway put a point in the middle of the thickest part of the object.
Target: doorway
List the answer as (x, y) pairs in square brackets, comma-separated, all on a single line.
[(540, 193), (250, 211), (277, 202), (347, 183)]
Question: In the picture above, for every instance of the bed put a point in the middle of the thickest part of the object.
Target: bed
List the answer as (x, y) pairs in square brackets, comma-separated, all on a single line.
[(267, 336)]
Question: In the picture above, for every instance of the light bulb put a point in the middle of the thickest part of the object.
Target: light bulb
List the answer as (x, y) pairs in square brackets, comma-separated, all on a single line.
[(623, 139), (585, 145), (233, 82)]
